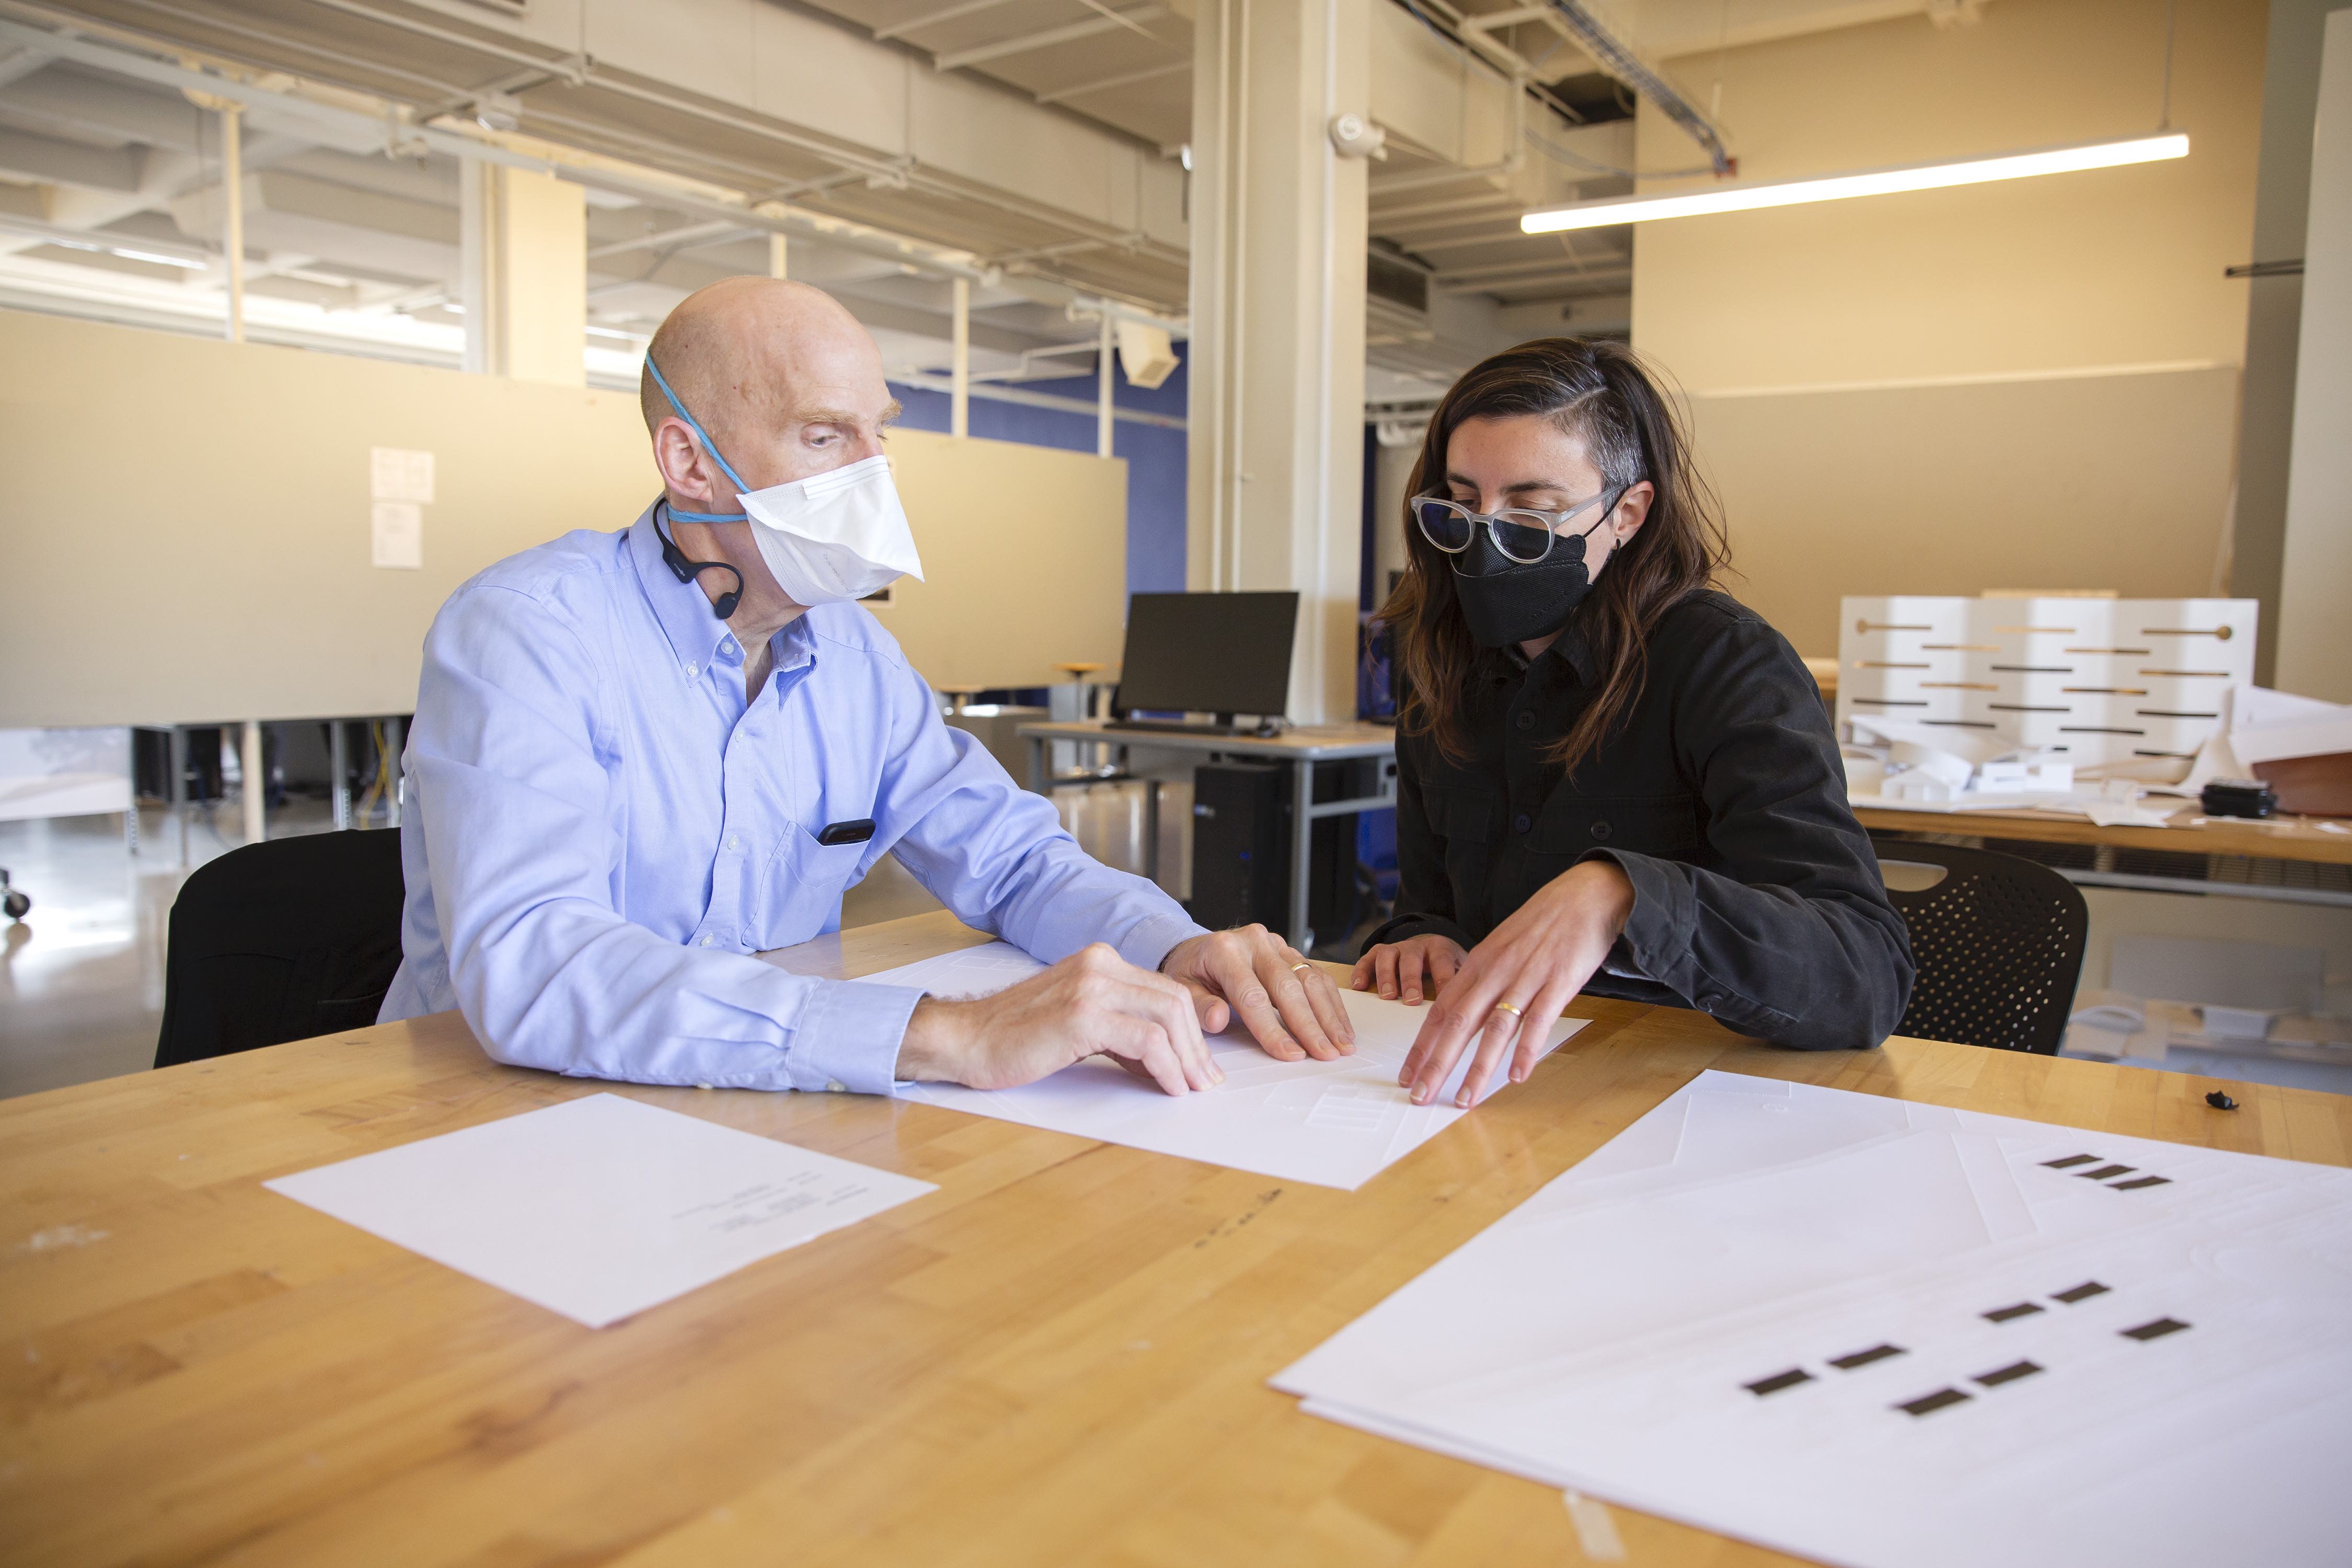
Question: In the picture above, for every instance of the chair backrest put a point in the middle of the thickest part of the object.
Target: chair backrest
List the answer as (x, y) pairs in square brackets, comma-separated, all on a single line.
[(281, 940), (1999, 942)]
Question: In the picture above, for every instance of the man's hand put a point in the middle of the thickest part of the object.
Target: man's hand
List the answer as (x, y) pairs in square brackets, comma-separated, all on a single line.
[(1515, 984), (1288, 1005), (1093, 1003), (1396, 967)]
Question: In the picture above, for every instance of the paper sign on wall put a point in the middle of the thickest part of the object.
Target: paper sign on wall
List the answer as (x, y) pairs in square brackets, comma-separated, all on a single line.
[(396, 534), (395, 474)]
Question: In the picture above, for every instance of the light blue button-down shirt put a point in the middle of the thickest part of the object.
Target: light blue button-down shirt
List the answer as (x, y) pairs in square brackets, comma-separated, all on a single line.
[(600, 831)]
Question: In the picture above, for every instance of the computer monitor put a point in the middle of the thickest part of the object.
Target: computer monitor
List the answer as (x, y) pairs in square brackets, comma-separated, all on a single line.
[(1208, 653)]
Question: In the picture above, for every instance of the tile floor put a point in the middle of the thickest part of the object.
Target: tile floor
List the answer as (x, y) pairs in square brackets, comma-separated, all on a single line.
[(81, 976)]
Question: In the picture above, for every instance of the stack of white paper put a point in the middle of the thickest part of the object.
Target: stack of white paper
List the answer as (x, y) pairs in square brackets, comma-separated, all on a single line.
[(1892, 1336), (599, 1208), (1334, 1124)]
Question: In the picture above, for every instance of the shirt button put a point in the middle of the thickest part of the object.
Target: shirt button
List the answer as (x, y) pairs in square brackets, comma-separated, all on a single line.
[(733, 842), (1601, 830), (694, 669), (711, 941), (1526, 721), (834, 1086), (1521, 823)]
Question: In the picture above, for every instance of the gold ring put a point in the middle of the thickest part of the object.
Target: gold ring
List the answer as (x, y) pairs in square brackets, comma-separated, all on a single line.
[(1506, 1008), (1296, 967)]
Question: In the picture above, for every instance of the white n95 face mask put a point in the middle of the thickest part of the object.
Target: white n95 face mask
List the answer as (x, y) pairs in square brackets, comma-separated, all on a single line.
[(831, 537), (834, 536)]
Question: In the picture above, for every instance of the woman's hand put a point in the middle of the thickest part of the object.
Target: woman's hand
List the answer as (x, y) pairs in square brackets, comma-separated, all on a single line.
[(1396, 967), (1513, 984)]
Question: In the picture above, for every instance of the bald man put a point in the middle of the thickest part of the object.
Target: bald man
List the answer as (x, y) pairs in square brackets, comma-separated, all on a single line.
[(637, 760)]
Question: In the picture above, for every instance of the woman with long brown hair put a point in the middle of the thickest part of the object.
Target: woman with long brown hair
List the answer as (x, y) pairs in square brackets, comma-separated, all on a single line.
[(1612, 776)]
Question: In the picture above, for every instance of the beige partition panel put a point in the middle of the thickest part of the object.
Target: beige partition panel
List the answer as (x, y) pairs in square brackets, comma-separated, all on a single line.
[(2114, 481), (185, 529)]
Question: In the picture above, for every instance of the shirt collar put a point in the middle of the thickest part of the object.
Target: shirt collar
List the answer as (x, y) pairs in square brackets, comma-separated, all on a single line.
[(1570, 647), (682, 609), (696, 636)]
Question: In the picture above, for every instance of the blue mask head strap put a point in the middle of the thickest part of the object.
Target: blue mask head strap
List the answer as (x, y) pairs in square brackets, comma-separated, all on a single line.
[(708, 445), (686, 569)]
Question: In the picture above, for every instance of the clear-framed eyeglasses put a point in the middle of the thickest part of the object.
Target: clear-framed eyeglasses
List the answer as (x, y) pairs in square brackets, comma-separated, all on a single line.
[(1523, 535)]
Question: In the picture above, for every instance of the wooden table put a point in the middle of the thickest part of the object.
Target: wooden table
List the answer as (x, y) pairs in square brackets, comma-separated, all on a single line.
[(1059, 1357), (2305, 839), (2271, 838)]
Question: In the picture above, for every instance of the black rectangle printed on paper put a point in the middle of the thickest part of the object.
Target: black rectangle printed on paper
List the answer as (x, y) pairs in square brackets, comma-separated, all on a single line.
[(1778, 1380), (1927, 1403)]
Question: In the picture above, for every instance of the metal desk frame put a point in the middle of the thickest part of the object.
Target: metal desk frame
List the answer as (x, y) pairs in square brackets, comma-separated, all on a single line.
[(1301, 749)]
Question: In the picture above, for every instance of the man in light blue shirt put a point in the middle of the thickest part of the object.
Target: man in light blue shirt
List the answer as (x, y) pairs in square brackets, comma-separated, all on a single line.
[(634, 765)]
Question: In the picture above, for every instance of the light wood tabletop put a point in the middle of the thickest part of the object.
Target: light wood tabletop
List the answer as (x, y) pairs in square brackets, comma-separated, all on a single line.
[(2187, 832), (1060, 1356)]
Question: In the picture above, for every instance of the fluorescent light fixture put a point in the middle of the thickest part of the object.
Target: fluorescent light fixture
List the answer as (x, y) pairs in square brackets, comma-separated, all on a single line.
[(1877, 183), (65, 240), (129, 254)]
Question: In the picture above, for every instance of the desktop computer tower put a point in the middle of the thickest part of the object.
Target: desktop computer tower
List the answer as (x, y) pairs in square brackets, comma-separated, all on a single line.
[(1240, 847)]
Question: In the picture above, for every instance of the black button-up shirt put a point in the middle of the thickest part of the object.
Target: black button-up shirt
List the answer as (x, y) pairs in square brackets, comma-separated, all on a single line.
[(1721, 796)]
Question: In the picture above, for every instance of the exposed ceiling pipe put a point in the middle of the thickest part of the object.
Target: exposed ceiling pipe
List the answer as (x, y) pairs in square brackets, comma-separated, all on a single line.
[(1514, 155), (284, 100), (1612, 55), (898, 174)]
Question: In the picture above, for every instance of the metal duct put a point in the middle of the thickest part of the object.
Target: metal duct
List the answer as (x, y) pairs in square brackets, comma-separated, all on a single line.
[(1621, 62)]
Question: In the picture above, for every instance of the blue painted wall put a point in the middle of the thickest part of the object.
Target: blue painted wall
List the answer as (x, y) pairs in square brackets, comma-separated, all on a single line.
[(1154, 454)]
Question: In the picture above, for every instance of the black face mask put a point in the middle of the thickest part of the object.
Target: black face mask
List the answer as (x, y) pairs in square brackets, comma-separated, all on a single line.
[(1506, 601)]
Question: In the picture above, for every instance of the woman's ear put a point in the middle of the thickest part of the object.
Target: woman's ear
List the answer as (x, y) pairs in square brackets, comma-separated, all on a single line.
[(1632, 510)]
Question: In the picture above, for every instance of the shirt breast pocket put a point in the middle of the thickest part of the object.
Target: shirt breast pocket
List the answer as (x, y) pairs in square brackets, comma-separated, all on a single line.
[(1663, 825), (815, 876)]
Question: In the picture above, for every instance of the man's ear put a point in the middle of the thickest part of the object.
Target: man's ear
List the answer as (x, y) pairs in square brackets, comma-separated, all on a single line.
[(684, 469), (1633, 510)]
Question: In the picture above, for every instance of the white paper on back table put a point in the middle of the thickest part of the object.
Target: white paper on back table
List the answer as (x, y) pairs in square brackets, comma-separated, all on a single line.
[(1334, 1124), (1891, 1335)]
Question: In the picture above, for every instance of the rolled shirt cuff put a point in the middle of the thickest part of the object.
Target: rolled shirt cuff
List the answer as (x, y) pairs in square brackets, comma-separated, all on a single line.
[(1656, 943), (1148, 945), (1403, 927), (848, 1036)]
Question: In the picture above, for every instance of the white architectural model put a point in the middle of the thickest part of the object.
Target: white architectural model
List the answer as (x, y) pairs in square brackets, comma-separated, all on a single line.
[(2096, 680)]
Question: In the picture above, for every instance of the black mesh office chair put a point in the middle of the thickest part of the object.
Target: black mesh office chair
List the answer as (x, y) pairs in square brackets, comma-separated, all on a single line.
[(281, 940), (1998, 944)]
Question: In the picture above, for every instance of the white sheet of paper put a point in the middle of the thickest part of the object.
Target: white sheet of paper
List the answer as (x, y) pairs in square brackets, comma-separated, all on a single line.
[(599, 1207), (1333, 1124), (396, 535), (396, 473), (1608, 1334)]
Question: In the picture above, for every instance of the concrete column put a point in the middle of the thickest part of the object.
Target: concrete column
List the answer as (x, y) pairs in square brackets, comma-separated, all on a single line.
[(256, 784), (959, 359), (2314, 621), (1277, 315), (523, 273), (1105, 408), (2274, 314), (232, 127)]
